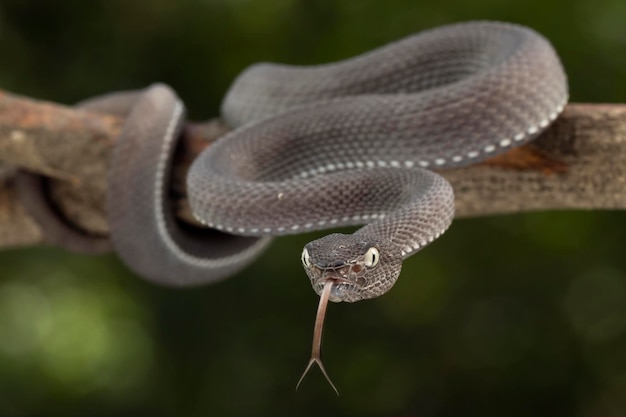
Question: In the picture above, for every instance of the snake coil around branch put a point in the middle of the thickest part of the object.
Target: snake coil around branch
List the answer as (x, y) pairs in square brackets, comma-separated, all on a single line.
[(346, 143)]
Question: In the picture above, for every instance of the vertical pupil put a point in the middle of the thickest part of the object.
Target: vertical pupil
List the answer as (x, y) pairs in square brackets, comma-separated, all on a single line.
[(371, 256)]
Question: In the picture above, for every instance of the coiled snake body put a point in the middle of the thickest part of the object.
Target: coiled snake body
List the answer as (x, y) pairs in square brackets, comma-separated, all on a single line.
[(330, 145), (339, 144)]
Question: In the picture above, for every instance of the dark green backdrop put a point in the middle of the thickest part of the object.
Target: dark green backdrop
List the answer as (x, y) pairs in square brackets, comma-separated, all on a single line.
[(507, 316)]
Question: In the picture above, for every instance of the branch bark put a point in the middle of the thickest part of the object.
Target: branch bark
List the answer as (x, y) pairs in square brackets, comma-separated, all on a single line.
[(578, 163)]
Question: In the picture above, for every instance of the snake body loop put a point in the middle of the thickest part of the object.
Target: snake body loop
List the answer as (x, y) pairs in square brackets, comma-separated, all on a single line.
[(346, 143), (144, 230)]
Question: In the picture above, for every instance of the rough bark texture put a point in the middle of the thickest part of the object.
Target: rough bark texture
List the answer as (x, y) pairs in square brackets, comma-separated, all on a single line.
[(578, 163)]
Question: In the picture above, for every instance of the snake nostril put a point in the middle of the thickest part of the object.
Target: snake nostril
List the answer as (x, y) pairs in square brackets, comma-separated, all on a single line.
[(343, 271)]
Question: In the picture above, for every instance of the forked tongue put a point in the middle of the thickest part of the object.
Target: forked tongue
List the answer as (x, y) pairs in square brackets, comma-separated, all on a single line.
[(316, 350)]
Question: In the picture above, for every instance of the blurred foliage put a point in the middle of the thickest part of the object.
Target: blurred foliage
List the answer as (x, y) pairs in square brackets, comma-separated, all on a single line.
[(506, 316)]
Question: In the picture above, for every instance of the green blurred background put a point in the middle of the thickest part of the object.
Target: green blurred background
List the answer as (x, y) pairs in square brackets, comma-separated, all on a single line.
[(520, 315)]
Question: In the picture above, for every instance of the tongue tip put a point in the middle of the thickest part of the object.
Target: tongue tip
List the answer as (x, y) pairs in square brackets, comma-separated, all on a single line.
[(316, 349), (319, 363)]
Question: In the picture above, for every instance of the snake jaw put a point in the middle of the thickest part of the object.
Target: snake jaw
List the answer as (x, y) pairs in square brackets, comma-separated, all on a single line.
[(341, 289), (345, 280)]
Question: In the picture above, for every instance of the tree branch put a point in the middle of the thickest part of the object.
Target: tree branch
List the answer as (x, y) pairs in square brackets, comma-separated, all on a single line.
[(578, 163)]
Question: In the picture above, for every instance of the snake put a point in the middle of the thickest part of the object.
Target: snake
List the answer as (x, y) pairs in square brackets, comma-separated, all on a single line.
[(358, 142), (355, 142)]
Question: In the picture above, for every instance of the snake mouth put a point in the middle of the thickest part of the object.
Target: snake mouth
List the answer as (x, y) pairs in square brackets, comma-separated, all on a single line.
[(339, 290), (346, 277), (341, 287)]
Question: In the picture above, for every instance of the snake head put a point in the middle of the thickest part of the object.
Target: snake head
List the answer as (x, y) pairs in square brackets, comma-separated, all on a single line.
[(360, 267)]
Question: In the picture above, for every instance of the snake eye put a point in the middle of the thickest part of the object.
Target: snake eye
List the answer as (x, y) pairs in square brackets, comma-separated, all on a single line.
[(306, 259), (371, 257)]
